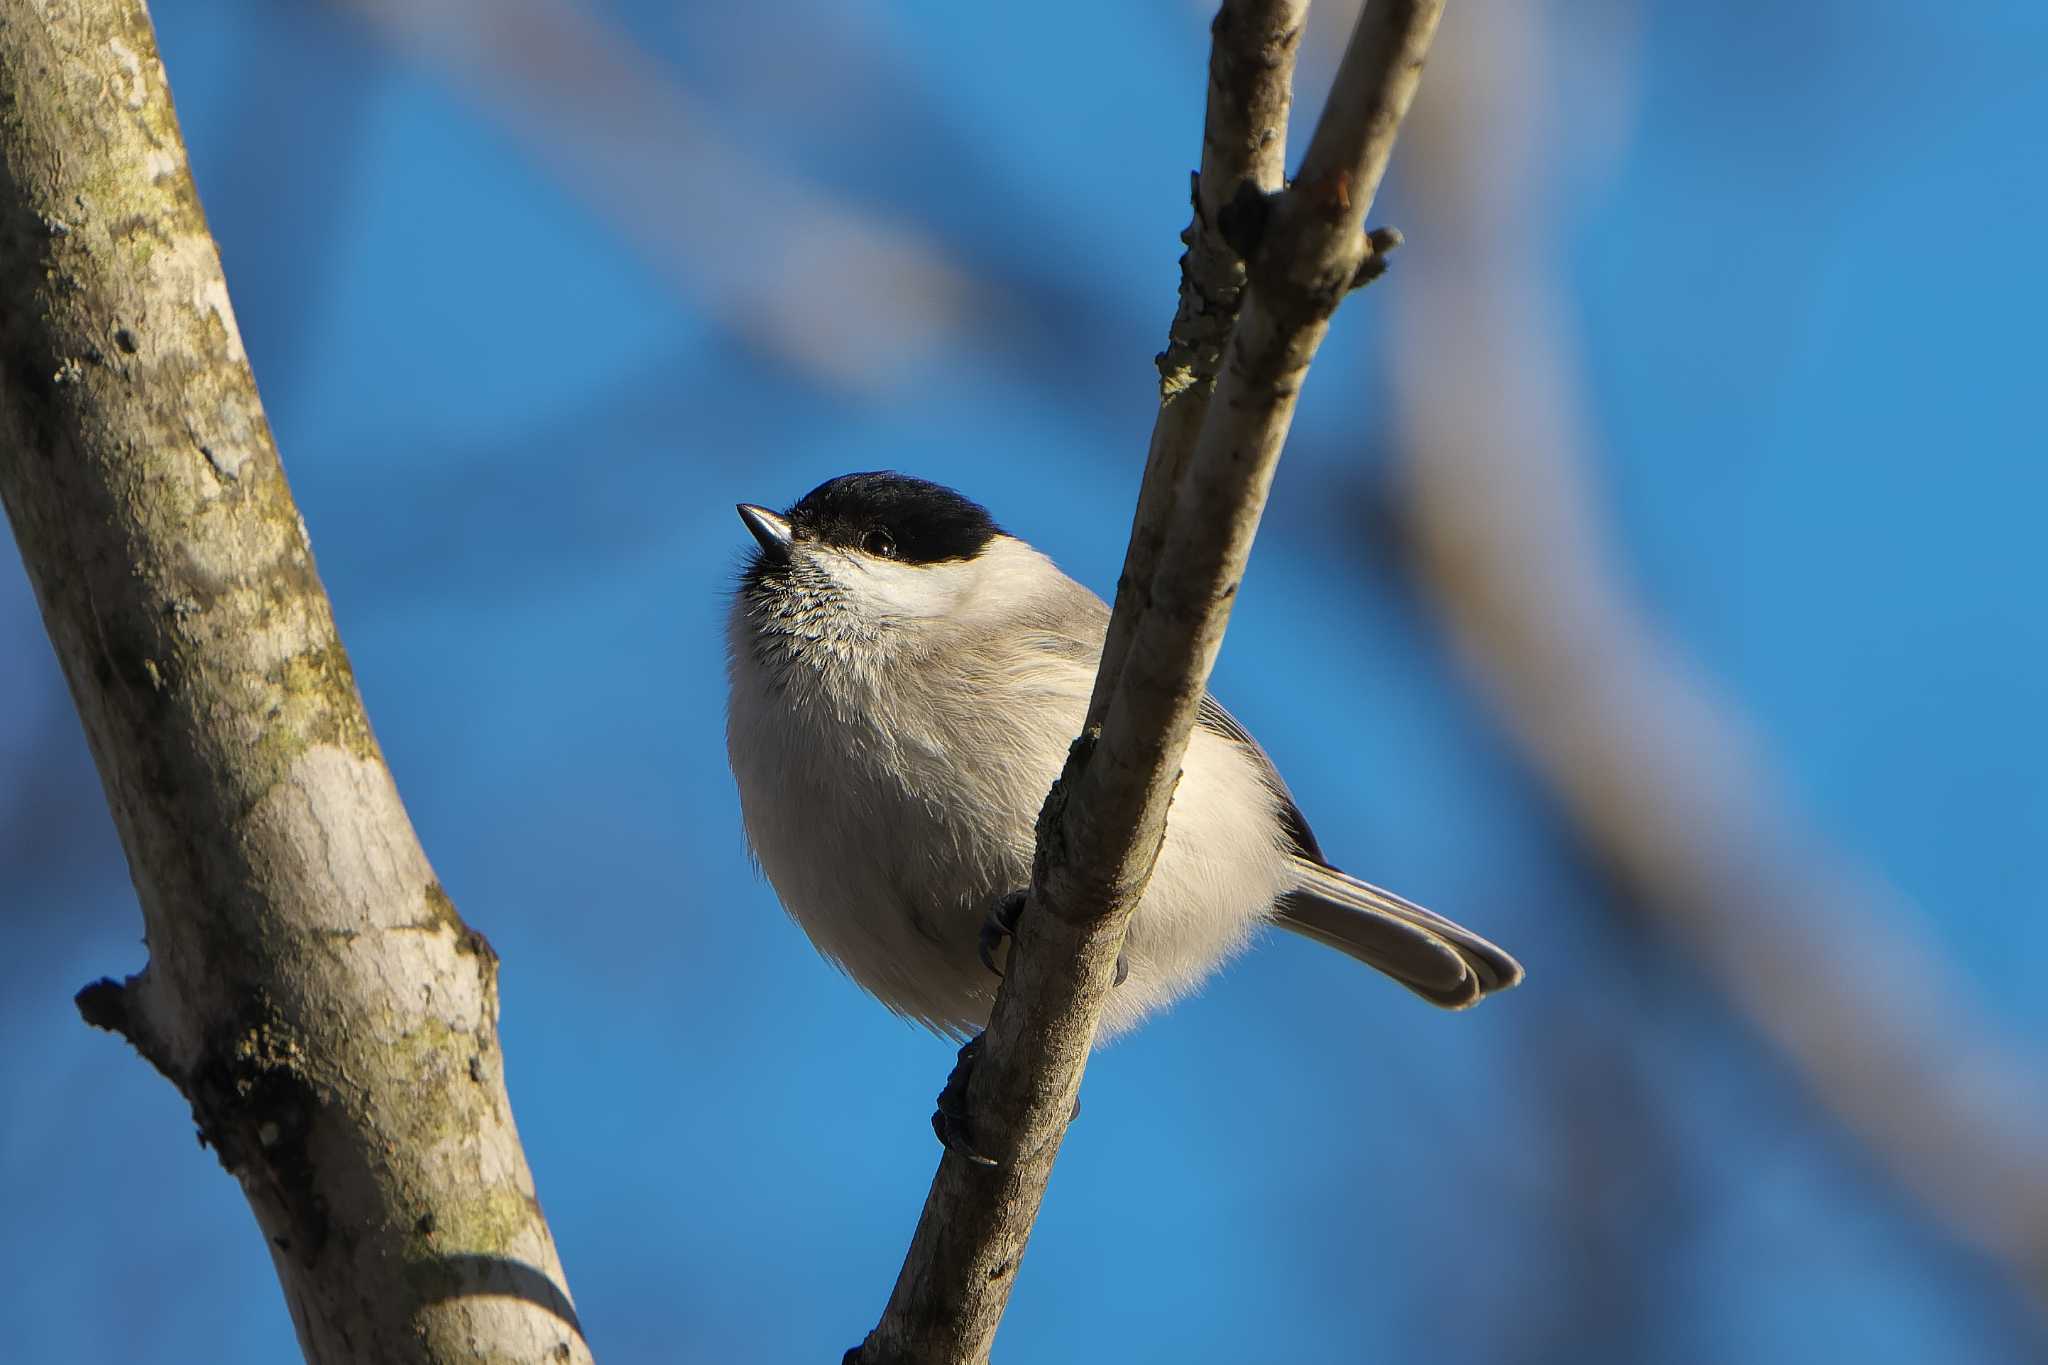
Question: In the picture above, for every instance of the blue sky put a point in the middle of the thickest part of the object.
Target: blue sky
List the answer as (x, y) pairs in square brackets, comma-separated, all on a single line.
[(1799, 253)]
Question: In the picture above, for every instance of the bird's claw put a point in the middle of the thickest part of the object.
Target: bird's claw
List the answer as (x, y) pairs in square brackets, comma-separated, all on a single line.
[(1001, 924), (949, 1120)]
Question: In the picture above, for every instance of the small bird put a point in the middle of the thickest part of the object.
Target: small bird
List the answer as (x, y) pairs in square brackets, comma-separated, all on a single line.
[(906, 679)]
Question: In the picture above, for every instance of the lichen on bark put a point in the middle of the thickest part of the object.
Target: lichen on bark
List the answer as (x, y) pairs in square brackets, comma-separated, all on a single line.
[(310, 987)]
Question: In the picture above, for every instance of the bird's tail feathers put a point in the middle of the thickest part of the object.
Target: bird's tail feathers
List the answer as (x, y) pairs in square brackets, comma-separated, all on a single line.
[(1444, 963)]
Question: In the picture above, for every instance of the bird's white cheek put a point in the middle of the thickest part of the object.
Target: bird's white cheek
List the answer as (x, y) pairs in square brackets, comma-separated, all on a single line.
[(881, 591)]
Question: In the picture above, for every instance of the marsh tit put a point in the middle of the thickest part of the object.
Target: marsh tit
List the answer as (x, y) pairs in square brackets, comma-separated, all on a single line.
[(906, 679)]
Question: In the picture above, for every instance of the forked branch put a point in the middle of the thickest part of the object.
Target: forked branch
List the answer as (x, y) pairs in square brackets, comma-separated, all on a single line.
[(1205, 488)]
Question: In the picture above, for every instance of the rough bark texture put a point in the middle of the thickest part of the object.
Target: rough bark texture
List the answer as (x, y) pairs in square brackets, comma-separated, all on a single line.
[(310, 989), (1102, 825), (1244, 140)]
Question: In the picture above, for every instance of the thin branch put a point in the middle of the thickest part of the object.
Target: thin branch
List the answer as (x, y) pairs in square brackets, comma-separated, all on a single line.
[(1103, 822), (1244, 140), (310, 989), (1661, 776)]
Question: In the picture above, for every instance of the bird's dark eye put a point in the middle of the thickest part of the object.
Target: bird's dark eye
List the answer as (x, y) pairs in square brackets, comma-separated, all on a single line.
[(879, 543)]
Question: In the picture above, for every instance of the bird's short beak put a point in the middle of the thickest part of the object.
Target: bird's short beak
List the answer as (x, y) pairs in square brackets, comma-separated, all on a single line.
[(771, 529)]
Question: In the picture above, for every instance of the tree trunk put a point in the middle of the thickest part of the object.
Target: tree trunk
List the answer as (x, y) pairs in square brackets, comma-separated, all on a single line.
[(310, 988)]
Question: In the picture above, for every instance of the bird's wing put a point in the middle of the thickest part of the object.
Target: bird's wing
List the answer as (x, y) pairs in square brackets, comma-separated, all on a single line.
[(1442, 961), (1217, 721), (1075, 631)]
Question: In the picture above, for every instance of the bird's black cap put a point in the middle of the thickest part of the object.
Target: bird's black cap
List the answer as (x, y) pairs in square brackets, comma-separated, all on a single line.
[(923, 522)]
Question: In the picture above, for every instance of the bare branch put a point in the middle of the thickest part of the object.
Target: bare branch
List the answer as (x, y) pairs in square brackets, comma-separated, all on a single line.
[(310, 989), (1102, 825), (1244, 140)]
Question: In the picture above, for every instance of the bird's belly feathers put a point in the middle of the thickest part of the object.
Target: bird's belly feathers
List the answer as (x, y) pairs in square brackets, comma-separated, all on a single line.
[(888, 841)]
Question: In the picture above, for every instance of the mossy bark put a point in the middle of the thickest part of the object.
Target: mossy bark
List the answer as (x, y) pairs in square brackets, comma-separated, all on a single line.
[(309, 988)]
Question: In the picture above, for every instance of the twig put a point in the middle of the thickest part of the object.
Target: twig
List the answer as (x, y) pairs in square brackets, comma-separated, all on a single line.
[(1102, 824), (1244, 141), (310, 989)]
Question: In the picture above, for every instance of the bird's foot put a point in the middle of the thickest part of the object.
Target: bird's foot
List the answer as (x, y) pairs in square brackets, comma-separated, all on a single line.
[(951, 1121), (1001, 925)]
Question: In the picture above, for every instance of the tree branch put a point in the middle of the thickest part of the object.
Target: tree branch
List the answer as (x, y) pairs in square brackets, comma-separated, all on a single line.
[(310, 989), (1103, 822), (1244, 141)]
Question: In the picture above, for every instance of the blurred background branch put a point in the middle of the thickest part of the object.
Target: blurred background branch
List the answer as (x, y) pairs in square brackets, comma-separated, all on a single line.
[(1660, 777), (853, 300)]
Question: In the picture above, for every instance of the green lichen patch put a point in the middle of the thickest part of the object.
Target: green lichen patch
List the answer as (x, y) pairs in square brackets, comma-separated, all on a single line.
[(316, 703)]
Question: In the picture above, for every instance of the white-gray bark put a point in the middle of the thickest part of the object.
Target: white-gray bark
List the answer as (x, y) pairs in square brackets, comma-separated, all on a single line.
[(310, 989), (1206, 484)]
